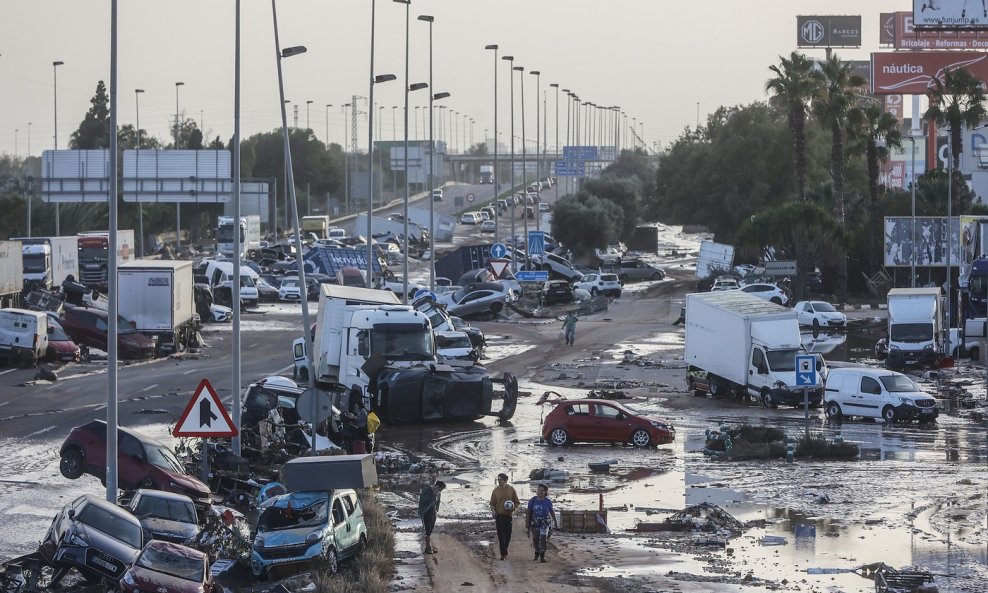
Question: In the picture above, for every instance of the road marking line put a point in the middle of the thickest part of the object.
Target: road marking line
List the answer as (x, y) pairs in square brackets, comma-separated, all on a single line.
[(7, 371), (42, 431), (189, 372), (148, 388), (2, 404)]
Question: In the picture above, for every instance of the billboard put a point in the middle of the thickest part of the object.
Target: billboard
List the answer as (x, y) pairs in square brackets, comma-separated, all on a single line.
[(927, 241), (950, 14), (828, 31), (906, 36), (886, 27), (912, 73)]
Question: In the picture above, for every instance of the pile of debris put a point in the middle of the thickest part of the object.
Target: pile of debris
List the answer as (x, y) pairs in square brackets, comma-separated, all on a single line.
[(704, 517)]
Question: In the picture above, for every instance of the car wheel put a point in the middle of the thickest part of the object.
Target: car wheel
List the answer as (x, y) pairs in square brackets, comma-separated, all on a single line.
[(362, 545), (303, 375), (623, 278), (888, 414), (496, 307), (833, 411), (715, 388), (640, 438), (558, 437), (767, 400), (332, 561), (816, 325), (71, 464), (593, 291), (656, 276), (776, 300)]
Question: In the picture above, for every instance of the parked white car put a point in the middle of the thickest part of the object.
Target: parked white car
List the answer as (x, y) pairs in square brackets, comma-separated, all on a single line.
[(769, 292), (596, 283), (876, 393), (471, 218), (455, 345), (488, 226), (819, 314), (729, 283), (289, 289)]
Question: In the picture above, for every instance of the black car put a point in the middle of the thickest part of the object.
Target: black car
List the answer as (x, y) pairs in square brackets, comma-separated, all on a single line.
[(557, 291), (314, 284)]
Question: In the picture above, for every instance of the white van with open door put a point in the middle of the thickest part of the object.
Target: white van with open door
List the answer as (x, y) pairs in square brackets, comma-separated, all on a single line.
[(23, 336)]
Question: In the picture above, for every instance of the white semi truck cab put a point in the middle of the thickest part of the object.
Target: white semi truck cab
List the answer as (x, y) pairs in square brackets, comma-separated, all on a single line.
[(915, 326), (250, 235)]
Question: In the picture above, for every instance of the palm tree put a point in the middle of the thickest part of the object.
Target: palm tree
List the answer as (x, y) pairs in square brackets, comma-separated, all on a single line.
[(956, 101), (792, 87), (832, 104), (875, 133)]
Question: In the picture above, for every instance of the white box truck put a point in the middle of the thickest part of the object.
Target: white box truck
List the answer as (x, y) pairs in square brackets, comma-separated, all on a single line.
[(157, 296), (743, 345), (368, 345), (250, 235), (11, 273), (915, 326), (317, 225), (48, 261)]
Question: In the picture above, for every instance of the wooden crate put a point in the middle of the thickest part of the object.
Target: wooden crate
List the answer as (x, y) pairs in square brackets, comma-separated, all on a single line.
[(582, 521)]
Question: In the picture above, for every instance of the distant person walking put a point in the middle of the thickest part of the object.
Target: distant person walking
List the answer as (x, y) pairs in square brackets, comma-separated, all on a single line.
[(569, 328), (429, 499), (540, 520), (504, 503)]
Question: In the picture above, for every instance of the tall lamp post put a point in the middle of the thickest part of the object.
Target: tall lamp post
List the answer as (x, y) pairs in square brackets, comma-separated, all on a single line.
[(555, 85), (306, 332), (178, 205), (140, 205), (54, 70), (328, 105), (237, 245), (524, 163), (538, 161), (497, 209), (432, 202), (370, 151), (511, 168), (307, 103)]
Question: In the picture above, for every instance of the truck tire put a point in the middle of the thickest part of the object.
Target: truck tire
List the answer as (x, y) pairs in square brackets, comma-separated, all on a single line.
[(716, 389), (767, 399)]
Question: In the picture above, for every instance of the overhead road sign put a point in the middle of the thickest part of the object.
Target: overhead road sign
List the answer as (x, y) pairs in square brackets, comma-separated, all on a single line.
[(580, 153), (75, 175), (205, 415), (569, 168)]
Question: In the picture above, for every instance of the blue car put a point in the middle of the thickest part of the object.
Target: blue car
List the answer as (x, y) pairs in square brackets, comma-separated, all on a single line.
[(306, 528)]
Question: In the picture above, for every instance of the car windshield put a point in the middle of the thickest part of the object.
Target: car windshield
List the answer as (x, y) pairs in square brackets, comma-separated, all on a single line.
[(278, 518), (224, 234), (163, 457), (92, 254), (822, 307), (289, 283), (782, 361), (898, 384), (164, 561), (57, 334), (911, 332), (34, 263), (163, 508), (414, 343), (446, 341), (124, 326), (111, 524)]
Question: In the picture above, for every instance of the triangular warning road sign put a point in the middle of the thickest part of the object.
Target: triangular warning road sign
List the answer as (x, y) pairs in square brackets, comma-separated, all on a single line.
[(498, 266), (205, 416)]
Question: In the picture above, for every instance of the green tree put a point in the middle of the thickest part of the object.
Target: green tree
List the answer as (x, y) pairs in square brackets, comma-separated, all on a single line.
[(94, 131), (635, 163), (956, 101), (584, 222), (875, 132), (624, 192), (792, 87), (800, 231)]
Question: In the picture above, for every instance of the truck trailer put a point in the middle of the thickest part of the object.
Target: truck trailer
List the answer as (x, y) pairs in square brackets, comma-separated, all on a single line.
[(741, 345), (49, 261), (11, 274), (157, 296)]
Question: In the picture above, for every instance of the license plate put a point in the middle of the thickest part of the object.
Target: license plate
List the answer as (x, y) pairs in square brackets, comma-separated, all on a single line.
[(926, 411)]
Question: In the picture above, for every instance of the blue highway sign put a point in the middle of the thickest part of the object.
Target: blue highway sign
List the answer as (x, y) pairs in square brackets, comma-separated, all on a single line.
[(536, 242), (531, 276), (805, 370)]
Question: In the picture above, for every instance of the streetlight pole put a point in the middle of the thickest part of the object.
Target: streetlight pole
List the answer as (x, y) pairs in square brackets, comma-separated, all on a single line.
[(178, 205), (140, 205), (306, 326), (307, 103), (432, 202), (912, 226), (54, 69), (370, 153), (497, 185), (538, 163), (524, 164), (511, 168), (555, 85), (328, 105), (237, 245)]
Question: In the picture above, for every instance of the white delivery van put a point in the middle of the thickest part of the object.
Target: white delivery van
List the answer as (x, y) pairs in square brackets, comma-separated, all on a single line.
[(876, 393), (23, 336)]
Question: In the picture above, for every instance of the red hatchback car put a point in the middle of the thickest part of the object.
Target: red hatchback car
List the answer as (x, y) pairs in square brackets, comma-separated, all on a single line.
[(88, 327), (141, 462), (603, 421)]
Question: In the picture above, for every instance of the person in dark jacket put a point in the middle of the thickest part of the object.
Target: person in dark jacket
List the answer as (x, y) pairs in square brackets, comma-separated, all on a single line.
[(429, 499)]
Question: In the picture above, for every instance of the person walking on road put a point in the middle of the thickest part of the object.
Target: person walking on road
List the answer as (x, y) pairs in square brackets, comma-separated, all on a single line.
[(540, 521), (569, 328), (504, 502), (429, 499)]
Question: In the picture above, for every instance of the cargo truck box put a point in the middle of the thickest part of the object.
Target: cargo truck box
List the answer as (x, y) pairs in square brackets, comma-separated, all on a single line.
[(11, 273), (157, 296), (326, 473)]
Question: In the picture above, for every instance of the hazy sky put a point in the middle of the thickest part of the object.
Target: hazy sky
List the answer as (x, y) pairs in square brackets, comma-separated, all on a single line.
[(655, 58)]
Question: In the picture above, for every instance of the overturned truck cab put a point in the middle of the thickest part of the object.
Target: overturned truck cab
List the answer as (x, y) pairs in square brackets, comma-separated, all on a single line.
[(368, 343)]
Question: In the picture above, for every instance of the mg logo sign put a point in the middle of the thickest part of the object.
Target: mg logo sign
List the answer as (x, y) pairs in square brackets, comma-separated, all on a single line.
[(812, 32)]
